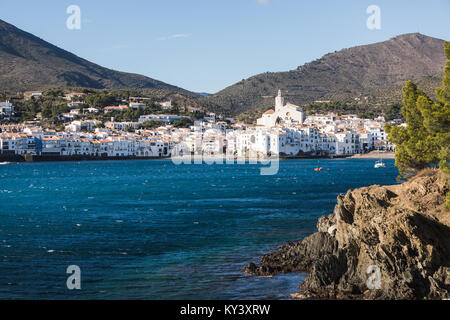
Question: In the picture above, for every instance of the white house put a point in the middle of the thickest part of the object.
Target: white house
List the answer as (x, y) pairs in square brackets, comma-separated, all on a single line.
[(345, 143), (86, 125), (166, 118), (115, 108), (165, 105), (32, 94), (122, 126), (137, 105), (6, 110), (90, 110), (72, 95), (193, 109), (74, 104)]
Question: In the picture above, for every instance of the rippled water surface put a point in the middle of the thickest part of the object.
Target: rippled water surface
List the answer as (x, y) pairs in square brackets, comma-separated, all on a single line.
[(154, 230)]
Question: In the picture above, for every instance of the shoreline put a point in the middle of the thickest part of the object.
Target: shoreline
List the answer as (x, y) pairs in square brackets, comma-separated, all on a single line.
[(78, 158), (50, 158)]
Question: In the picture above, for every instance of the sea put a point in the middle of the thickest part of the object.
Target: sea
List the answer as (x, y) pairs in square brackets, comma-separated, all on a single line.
[(152, 229)]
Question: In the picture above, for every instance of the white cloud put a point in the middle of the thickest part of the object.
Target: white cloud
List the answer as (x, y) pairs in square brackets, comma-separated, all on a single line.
[(176, 36), (262, 2)]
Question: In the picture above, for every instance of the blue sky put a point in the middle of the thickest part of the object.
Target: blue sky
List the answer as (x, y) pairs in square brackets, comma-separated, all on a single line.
[(207, 45)]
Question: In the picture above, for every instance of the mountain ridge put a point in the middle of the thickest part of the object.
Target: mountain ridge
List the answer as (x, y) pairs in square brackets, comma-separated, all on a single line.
[(367, 75), (29, 62), (342, 75)]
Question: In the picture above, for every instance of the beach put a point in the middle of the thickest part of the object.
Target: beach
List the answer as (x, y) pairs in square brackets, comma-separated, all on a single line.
[(375, 155)]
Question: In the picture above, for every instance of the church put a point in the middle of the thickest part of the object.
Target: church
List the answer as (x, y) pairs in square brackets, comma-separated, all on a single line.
[(287, 113)]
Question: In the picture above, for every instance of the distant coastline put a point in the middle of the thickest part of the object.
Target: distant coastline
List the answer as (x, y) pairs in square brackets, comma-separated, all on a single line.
[(73, 158), (76, 158)]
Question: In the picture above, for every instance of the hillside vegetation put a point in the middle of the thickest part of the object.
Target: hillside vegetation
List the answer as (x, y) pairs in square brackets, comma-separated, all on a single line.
[(30, 63), (369, 76)]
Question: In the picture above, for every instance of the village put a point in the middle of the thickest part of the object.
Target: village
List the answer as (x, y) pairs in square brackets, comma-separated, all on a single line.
[(285, 131)]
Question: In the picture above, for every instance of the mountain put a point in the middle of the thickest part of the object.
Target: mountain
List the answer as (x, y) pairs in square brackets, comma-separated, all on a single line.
[(28, 62), (370, 74)]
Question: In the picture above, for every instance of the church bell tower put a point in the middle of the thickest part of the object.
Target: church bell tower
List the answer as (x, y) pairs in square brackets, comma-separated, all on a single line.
[(279, 101)]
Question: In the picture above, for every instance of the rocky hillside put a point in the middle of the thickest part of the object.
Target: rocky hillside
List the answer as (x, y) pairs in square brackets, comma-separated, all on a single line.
[(371, 74), (27, 62), (381, 242)]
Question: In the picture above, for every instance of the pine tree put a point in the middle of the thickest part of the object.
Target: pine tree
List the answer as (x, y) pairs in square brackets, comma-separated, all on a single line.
[(426, 139)]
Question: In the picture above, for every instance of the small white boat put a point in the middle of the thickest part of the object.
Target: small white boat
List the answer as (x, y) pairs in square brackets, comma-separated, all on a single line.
[(379, 164), (4, 163)]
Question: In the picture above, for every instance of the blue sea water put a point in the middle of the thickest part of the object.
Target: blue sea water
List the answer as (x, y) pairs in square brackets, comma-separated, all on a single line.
[(155, 230)]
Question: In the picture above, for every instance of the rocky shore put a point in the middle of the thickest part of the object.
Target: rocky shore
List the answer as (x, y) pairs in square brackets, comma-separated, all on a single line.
[(381, 242)]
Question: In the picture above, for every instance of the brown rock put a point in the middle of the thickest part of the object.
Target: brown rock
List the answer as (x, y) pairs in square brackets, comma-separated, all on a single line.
[(388, 242)]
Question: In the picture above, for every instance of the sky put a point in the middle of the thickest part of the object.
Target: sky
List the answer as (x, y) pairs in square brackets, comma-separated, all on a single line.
[(207, 45)]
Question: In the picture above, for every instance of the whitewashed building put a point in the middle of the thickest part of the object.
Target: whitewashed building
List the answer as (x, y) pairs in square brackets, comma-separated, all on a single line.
[(287, 113), (6, 110)]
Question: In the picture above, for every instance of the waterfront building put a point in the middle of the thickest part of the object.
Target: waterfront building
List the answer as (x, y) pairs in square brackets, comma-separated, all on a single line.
[(52, 146), (284, 131)]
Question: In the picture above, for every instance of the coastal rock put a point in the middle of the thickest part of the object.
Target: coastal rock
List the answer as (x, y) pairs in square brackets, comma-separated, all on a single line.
[(386, 242), (325, 223), (297, 256)]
